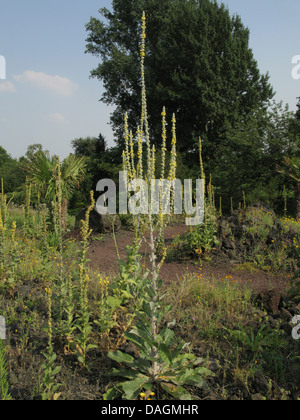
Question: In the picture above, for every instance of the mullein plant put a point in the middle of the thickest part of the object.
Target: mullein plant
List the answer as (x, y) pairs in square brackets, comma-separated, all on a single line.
[(60, 285), (3, 226), (14, 258), (50, 370), (83, 322), (27, 222), (162, 364)]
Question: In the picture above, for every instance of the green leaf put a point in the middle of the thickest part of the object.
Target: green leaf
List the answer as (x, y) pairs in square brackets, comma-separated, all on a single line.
[(91, 346), (112, 394), (142, 332), (166, 352), (126, 294), (56, 370), (133, 388), (166, 336), (81, 360), (147, 309), (178, 392), (121, 357), (142, 364), (125, 373), (137, 341)]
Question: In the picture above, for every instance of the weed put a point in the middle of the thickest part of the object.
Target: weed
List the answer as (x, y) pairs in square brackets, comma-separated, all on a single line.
[(4, 383), (50, 371)]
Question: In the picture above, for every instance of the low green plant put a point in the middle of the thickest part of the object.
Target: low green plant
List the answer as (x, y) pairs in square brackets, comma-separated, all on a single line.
[(127, 285), (50, 371), (4, 383), (108, 307), (83, 322), (161, 365), (27, 219), (202, 239), (13, 259), (254, 342)]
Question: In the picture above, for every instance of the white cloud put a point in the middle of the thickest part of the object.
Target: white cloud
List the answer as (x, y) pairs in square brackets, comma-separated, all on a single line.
[(57, 84), (7, 87), (56, 118)]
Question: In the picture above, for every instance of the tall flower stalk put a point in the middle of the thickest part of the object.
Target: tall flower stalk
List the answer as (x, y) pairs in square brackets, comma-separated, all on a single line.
[(160, 364), (83, 323), (3, 226)]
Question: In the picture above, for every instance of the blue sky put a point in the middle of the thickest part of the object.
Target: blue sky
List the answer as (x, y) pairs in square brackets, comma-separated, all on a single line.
[(48, 97)]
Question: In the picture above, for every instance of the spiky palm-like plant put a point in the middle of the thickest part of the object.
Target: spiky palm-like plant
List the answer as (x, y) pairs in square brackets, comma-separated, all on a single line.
[(42, 169)]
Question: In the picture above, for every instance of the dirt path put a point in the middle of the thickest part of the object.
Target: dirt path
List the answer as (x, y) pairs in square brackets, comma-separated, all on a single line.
[(103, 257)]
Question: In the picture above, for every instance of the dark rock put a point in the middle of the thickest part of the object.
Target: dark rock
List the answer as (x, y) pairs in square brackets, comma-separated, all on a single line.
[(213, 365), (224, 228), (264, 207), (241, 390), (244, 228), (285, 315), (257, 397), (233, 220), (211, 397), (227, 243), (13, 380), (260, 384), (270, 300), (287, 328), (99, 223)]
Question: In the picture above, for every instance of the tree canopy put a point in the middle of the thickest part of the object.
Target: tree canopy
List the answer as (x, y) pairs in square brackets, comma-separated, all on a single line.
[(198, 64)]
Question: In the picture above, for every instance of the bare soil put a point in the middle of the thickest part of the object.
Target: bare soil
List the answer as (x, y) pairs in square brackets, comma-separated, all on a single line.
[(103, 257)]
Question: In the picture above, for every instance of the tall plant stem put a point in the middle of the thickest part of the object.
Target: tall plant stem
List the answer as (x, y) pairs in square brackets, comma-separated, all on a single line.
[(154, 271)]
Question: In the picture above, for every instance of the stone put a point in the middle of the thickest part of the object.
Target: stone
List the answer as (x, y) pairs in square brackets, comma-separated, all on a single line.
[(270, 300), (13, 380), (285, 315), (99, 223), (257, 397), (260, 384)]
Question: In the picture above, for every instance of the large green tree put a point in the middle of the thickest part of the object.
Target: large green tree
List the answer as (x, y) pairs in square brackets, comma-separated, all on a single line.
[(198, 64), (11, 172), (4, 157), (247, 158), (101, 162)]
